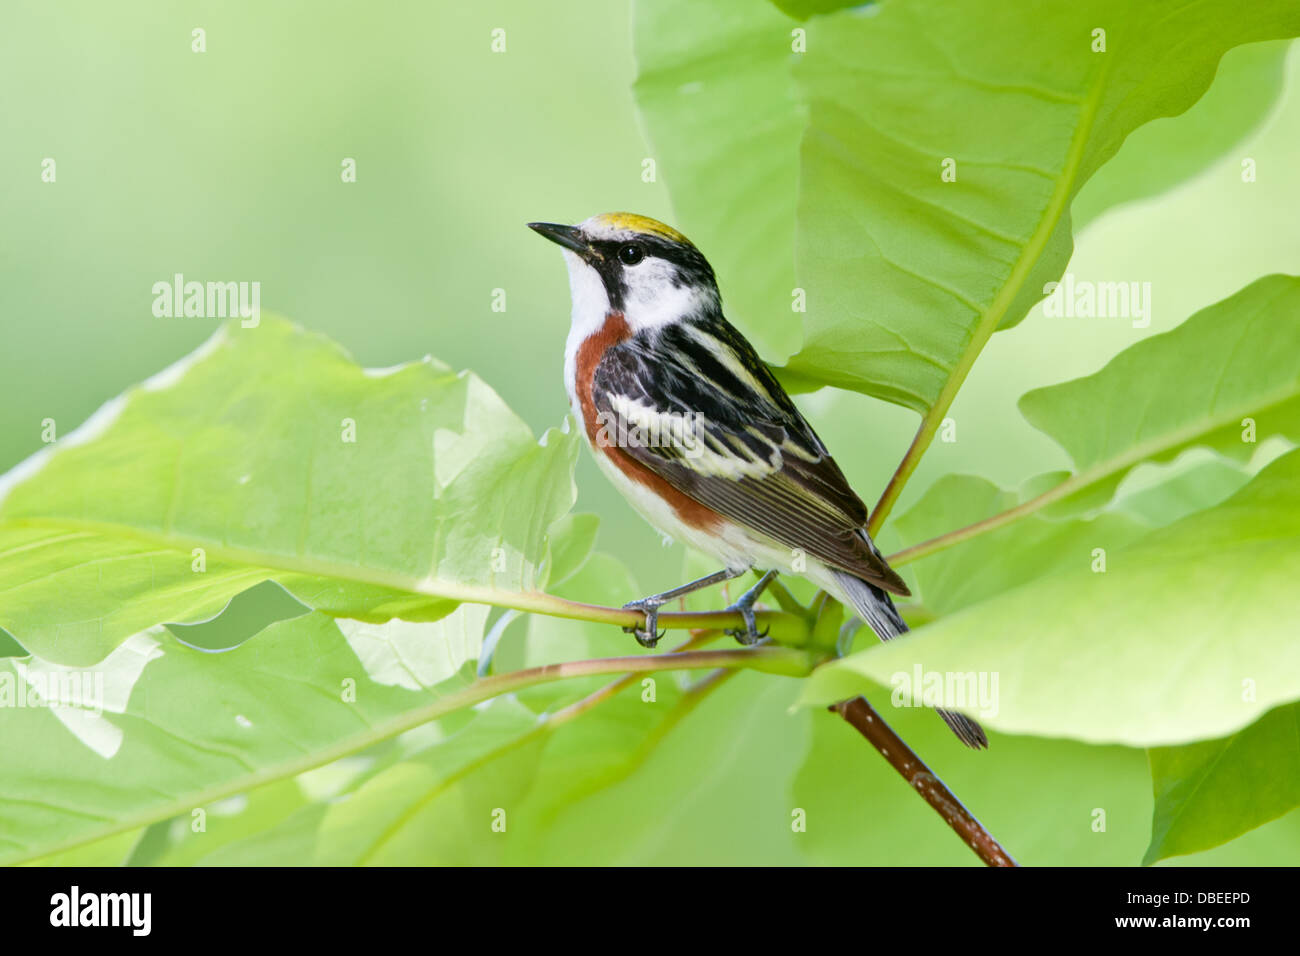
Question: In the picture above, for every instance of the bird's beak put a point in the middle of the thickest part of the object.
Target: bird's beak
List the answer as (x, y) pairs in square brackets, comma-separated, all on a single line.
[(567, 236)]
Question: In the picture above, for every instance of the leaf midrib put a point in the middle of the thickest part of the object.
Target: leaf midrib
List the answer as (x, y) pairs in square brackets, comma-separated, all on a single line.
[(992, 317), (429, 586)]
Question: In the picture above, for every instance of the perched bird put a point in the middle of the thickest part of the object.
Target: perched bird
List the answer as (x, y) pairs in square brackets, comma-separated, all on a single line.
[(693, 428)]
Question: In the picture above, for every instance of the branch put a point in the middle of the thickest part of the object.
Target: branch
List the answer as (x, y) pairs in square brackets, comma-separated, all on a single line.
[(597, 697), (992, 523), (1076, 482), (785, 627), (924, 435), (864, 719)]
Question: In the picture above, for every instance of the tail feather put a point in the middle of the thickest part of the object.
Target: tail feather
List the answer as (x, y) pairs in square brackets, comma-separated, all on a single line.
[(876, 608)]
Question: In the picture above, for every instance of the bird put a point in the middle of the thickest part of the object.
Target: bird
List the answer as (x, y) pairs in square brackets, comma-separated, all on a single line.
[(690, 424)]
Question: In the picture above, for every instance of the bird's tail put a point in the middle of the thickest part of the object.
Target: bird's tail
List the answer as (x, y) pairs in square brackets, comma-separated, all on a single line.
[(876, 608)]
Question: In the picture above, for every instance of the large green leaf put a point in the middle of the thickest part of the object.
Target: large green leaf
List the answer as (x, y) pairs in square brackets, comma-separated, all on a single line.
[(366, 494), (909, 274), (1209, 792), (496, 788), (435, 807), (1227, 379), (438, 806), (675, 797), (177, 843), (189, 730), (803, 9), (1198, 384), (714, 88), (970, 571), (1168, 151), (1202, 485), (160, 729), (1156, 650)]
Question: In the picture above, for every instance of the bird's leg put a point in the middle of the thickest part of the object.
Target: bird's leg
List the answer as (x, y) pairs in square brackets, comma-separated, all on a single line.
[(745, 605), (648, 635)]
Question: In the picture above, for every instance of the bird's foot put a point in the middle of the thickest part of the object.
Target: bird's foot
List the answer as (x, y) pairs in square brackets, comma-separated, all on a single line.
[(745, 607), (750, 634), (648, 634)]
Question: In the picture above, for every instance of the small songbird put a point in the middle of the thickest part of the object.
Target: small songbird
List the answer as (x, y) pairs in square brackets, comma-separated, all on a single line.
[(693, 428)]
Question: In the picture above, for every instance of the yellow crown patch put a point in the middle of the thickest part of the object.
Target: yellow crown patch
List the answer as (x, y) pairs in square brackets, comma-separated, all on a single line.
[(630, 220)]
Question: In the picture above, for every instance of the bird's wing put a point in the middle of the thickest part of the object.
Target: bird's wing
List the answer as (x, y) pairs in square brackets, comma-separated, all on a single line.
[(694, 403)]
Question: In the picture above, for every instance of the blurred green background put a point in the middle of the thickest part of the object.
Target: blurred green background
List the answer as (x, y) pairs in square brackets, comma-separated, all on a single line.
[(226, 166)]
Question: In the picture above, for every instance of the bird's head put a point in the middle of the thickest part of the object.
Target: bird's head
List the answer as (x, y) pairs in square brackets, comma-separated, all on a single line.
[(620, 262)]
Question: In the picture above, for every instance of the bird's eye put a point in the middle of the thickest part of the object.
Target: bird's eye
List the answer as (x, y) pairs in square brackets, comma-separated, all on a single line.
[(630, 254)]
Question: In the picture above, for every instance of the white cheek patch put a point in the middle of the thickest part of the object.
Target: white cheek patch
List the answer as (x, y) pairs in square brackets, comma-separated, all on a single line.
[(651, 299)]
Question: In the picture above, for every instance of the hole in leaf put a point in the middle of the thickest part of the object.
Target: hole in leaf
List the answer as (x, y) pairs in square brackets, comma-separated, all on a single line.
[(247, 613)]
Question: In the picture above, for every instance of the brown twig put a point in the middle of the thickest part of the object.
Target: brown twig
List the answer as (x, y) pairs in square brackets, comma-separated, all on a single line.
[(864, 719)]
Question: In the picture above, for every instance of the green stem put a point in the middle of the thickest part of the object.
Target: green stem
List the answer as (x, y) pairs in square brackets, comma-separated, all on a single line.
[(1097, 473), (957, 536), (785, 627)]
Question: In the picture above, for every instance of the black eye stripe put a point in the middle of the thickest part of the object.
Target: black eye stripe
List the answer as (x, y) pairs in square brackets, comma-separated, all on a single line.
[(689, 266), (630, 254), (687, 258)]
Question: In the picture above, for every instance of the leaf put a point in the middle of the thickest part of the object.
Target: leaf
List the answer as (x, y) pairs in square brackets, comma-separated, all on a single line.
[(1149, 404), (544, 640), (710, 787), (1199, 487), (494, 790), (176, 842), (910, 275), (1210, 792), (1198, 384), (292, 699), (572, 539), (1168, 151), (716, 94), (714, 89), (247, 613), (803, 9), (437, 807), (1151, 652), (112, 851), (238, 465), (305, 693), (971, 571), (966, 571)]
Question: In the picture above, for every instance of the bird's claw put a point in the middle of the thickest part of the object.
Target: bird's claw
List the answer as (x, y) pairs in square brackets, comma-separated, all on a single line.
[(751, 634), (648, 635)]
